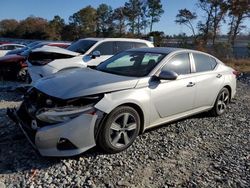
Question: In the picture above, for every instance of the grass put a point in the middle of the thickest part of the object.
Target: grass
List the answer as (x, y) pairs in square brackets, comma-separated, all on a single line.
[(241, 65)]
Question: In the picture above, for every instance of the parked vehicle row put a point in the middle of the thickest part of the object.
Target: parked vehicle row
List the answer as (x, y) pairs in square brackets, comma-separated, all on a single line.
[(14, 66), (5, 48), (89, 52), (45, 59), (110, 104)]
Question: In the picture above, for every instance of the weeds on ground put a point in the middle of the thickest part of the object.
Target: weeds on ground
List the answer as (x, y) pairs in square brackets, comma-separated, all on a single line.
[(241, 65)]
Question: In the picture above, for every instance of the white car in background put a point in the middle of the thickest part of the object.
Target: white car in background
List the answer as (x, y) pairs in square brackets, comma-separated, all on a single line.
[(90, 52), (4, 48)]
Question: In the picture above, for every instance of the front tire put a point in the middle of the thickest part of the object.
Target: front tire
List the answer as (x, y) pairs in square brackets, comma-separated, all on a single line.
[(221, 103), (119, 130)]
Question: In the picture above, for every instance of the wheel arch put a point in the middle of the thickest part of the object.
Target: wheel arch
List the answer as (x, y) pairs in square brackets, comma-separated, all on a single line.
[(227, 86), (130, 104), (230, 91)]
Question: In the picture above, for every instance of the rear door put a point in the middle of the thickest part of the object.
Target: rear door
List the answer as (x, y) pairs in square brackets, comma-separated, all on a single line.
[(122, 46), (208, 80), (175, 96)]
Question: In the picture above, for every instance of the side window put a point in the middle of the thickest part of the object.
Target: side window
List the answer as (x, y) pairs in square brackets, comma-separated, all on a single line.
[(10, 47), (6, 48), (150, 58), (105, 48), (122, 46), (179, 64), (203, 62), (125, 61), (18, 47), (140, 45)]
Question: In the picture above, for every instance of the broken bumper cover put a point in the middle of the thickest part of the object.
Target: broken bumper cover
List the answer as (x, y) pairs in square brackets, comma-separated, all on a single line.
[(64, 139)]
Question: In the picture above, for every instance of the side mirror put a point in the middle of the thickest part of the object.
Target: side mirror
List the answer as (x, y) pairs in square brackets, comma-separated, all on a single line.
[(167, 75), (95, 54)]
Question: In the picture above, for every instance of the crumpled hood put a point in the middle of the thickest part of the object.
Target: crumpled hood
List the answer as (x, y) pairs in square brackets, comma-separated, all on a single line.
[(54, 49), (83, 82)]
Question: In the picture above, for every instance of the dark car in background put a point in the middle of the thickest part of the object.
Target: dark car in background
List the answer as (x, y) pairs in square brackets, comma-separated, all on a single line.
[(13, 65)]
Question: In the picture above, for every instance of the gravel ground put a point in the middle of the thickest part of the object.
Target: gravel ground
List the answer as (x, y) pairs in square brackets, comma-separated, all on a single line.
[(200, 151)]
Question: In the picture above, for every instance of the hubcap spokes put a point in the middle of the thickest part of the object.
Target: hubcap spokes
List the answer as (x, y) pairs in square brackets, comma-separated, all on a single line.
[(122, 130), (222, 102)]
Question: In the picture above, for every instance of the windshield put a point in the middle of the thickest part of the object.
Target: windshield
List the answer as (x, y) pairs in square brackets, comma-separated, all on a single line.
[(131, 63), (81, 46), (28, 50), (33, 44)]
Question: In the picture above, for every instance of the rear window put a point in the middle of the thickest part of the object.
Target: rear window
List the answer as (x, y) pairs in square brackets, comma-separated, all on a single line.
[(140, 45), (203, 62)]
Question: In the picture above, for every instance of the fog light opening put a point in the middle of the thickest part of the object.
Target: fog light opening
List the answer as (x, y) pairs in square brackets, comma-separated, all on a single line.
[(65, 144)]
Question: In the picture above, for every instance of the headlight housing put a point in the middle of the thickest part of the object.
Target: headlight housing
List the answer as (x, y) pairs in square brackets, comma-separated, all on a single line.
[(62, 114)]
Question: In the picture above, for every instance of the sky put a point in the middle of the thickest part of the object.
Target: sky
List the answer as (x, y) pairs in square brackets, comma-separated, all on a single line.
[(47, 9)]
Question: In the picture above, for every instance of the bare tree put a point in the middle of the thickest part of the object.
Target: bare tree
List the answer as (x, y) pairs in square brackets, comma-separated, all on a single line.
[(186, 17), (205, 28), (239, 10), (219, 12), (215, 11)]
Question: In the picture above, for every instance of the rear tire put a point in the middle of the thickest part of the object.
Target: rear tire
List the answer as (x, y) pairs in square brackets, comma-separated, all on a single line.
[(221, 103), (119, 130)]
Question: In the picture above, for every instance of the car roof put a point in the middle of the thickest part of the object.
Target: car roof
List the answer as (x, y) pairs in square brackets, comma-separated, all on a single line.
[(12, 44), (164, 50), (116, 39)]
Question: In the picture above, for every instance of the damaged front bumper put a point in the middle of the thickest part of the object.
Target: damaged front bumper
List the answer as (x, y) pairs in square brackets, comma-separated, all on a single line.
[(63, 139)]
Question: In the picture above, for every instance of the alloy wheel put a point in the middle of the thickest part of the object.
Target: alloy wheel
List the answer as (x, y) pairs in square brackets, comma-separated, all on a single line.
[(223, 101), (123, 130)]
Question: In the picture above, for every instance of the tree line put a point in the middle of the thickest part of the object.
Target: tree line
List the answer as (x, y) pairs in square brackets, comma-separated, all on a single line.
[(136, 18), (131, 19), (215, 14)]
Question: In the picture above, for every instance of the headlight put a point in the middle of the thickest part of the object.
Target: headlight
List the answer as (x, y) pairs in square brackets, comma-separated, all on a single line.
[(61, 114)]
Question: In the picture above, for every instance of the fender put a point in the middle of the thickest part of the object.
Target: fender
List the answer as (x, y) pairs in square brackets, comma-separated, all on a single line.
[(139, 97)]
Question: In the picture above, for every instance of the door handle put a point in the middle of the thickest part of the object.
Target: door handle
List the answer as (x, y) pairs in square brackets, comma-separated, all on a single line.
[(190, 84), (218, 76)]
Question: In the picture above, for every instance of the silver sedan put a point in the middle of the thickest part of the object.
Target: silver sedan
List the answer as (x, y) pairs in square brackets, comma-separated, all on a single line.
[(70, 112)]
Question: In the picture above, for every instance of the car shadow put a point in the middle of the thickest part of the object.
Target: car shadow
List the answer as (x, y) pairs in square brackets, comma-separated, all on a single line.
[(197, 116), (16, 154)]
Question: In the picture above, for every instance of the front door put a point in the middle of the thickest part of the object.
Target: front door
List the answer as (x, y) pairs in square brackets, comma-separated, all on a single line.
[(176, 96)]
